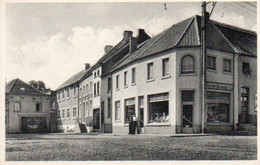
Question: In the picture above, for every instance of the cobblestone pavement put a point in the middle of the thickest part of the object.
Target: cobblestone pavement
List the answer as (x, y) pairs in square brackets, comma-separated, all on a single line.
[(96, 147)]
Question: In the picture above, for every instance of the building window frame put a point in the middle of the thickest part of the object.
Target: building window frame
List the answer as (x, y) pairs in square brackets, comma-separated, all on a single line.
[(191, 69), (15, 107), (150, 71), (133, 79), (166, 67), (63, 114), (117, 111), (74, 112), (246, 68), (227, 65), (125, 79), (117, 82), (68, 113), (38, 107), (211, 62)]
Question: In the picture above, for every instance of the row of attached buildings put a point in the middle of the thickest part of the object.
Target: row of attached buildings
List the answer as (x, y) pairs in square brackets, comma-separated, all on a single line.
[(160, 79)]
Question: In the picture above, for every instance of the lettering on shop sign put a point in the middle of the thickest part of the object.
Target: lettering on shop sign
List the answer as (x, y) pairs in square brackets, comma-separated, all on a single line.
[(220, 86)]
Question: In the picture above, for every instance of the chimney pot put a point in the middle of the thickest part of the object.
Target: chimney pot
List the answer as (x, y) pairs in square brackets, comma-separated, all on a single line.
[(128, 34), (108, 48), (87, 66)]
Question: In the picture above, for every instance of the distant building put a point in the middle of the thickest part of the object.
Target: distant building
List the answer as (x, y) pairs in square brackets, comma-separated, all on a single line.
[(27, 109)]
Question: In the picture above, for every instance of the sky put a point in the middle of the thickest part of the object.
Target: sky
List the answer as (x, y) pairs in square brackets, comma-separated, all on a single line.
[(52, 41)]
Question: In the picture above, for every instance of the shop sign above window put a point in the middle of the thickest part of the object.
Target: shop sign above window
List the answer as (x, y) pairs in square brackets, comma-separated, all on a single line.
[(220, 86)]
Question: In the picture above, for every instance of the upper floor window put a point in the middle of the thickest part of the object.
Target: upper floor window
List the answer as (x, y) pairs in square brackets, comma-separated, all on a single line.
[(84, 90), (246, 68), (90, 87), (38, 107), (58, 114), (63, 113), (187, 64), (165, 67), (125, 78), (68, 113), (95, 88), (17, 107), (226, 65), (117, 82), (58, 96), (63, 94), (68, 92), (74, 111), (150, 71), (74, 90), (133, 75), (211, 62), (109, 84), (80, 91), (95, 75), (98, 73), (98, 88)]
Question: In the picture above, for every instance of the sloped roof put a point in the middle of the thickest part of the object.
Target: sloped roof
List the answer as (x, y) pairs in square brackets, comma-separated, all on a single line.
[(187, 33), (73, 79), (19, 87)]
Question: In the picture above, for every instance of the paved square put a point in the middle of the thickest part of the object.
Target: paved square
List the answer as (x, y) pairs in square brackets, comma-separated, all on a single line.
[(141, 147)]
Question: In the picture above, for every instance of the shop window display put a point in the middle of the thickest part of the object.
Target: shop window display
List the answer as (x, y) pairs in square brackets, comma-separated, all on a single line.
[(218, 107), (159, 108)]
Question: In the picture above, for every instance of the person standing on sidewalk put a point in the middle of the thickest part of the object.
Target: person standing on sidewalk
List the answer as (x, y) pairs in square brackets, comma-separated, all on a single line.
[(134, 124)]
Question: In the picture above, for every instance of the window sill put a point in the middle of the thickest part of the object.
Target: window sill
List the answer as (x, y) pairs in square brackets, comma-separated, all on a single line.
[(126, 125), (226, 72), (133, 84), (165, 77), (150, 80), (188, 74), (211, 70), (117, 89), (68, 98), (220, 123), (117, 121), (158, 124), (126, 86)]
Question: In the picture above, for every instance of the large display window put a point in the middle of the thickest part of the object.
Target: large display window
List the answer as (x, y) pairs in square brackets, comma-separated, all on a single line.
[(159, 108), (218, 107)]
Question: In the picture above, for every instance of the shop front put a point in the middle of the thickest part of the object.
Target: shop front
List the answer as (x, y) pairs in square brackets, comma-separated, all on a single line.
[(34, 125), (220, 109)]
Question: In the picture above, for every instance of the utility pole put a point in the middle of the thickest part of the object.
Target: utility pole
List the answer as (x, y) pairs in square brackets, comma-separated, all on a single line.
[(204, 67)]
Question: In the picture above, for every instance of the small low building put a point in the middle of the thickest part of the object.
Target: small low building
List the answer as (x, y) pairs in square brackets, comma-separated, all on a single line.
[(27, 109)]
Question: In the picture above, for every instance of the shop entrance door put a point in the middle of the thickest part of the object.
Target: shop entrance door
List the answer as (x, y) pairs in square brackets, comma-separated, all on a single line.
[(187, 122), (96, 120)]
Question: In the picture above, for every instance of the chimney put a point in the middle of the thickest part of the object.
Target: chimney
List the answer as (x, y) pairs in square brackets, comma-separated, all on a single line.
[(132, 44), (127, 34), (142, 36), (87, 66), (108, 48)]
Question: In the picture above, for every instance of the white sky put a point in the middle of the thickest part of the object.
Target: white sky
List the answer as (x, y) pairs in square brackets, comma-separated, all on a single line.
[(52, 41)]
